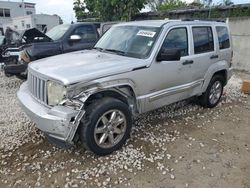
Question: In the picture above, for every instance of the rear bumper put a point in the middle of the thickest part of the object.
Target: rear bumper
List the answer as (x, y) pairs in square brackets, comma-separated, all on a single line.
[(57, 122)]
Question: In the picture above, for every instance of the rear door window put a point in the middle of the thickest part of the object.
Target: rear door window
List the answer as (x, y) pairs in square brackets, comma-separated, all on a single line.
[(223, 37), (203, 39)]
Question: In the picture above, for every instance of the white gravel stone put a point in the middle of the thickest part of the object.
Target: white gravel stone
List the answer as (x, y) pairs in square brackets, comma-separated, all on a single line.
[(16, 130), (172, 177)]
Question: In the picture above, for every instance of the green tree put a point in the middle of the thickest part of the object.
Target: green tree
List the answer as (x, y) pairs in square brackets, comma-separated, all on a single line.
[(108, 10), (154, 4), (207, 3), (171, 4), (227, 2), (195, 4), (80, 10)]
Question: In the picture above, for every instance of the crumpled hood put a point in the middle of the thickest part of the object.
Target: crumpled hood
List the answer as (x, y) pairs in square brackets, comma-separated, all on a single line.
[(16, 38), (83, 66), (30, 34)]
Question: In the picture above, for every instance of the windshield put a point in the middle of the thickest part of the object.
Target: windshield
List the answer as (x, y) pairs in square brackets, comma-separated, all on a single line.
[(131, 41), (57, 32)]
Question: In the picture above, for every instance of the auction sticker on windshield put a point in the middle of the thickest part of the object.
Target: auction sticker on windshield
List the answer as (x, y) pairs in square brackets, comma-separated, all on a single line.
[(144, 33)]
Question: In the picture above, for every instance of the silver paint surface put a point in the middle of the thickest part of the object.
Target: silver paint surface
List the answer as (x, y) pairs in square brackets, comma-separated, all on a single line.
[(155, 85)]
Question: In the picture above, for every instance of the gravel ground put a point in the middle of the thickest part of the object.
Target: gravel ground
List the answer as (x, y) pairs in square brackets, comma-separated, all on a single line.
[(182, 145)]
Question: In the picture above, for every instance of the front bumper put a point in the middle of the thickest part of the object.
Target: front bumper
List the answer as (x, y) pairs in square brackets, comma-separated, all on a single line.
[(1, 66), (59, 122), (15, 69)]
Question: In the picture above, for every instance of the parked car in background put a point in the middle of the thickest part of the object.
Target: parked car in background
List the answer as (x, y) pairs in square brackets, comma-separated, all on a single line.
[(14, 41), (9, 40), (134, 68), (104, 27), (1, 40), (61, 39)]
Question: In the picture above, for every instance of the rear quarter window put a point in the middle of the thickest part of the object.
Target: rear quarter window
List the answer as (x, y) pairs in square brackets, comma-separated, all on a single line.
[(223, 37), (203, 39)]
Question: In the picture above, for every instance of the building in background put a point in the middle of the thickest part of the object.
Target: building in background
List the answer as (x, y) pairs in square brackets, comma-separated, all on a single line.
[(22, 15), (10, 9), (42, 22)]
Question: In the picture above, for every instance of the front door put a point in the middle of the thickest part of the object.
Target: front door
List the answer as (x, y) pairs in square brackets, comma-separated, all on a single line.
[(172, 79), (88, 39)]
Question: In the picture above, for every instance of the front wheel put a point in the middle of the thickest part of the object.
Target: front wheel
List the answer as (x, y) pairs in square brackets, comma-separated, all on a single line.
[(213, 94), (22, 76), (105, 126)]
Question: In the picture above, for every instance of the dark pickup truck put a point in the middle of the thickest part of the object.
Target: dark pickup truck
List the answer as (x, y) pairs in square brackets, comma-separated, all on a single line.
[(13, 41), (61, 39)]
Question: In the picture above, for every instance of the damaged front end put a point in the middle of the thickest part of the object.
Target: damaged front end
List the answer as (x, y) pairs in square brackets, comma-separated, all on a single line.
[(18, 65), (16, 58), (59, 122), (59, 117)]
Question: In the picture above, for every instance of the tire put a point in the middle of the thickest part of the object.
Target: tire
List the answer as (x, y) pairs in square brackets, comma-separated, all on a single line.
[(21, 76), (97, 126), (7, 74), (206, 100)]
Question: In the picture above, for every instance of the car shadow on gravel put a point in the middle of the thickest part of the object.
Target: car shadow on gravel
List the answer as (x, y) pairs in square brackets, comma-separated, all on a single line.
[(158, 121), (153, 143)]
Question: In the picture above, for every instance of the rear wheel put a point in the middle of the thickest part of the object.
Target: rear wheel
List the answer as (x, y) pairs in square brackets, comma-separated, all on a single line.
[(213, 94), (105, 126)]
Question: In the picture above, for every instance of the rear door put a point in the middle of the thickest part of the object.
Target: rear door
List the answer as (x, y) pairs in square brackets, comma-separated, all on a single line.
[(204, 51), (224, 48), (89, 37)]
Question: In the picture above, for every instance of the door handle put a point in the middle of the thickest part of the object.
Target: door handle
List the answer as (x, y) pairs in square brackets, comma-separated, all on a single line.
[(214, 57), (188, 62)]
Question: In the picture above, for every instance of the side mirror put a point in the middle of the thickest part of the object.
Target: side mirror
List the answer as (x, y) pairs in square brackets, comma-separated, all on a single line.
[(169, 54), (75, 38)]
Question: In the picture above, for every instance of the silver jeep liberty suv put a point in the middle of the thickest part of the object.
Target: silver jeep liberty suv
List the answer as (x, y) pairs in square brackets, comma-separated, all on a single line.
[(134, 68)]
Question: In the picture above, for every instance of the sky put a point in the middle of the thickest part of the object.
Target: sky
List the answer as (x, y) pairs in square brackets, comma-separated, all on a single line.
[(218, 1), (64, 8)]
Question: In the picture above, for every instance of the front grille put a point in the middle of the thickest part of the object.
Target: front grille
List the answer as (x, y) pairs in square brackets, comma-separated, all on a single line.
[(37, 87)]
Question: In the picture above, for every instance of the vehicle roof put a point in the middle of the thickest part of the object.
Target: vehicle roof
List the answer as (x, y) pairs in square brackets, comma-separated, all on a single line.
[(82, 23), (160, 23)]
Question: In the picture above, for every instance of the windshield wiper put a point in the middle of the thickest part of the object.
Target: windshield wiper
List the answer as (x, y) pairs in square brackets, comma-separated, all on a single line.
[(119, 52), (98, 48)]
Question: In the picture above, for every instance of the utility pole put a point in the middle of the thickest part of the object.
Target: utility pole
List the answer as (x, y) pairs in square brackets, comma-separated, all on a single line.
[(23, 8), (209, 14)]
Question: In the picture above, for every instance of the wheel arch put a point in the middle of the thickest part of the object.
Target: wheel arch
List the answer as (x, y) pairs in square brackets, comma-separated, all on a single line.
[(124, 93), (220, 68), (222, 73)]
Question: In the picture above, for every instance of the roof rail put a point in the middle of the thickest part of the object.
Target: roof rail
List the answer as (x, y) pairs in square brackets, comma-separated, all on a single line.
[(211, 20)]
